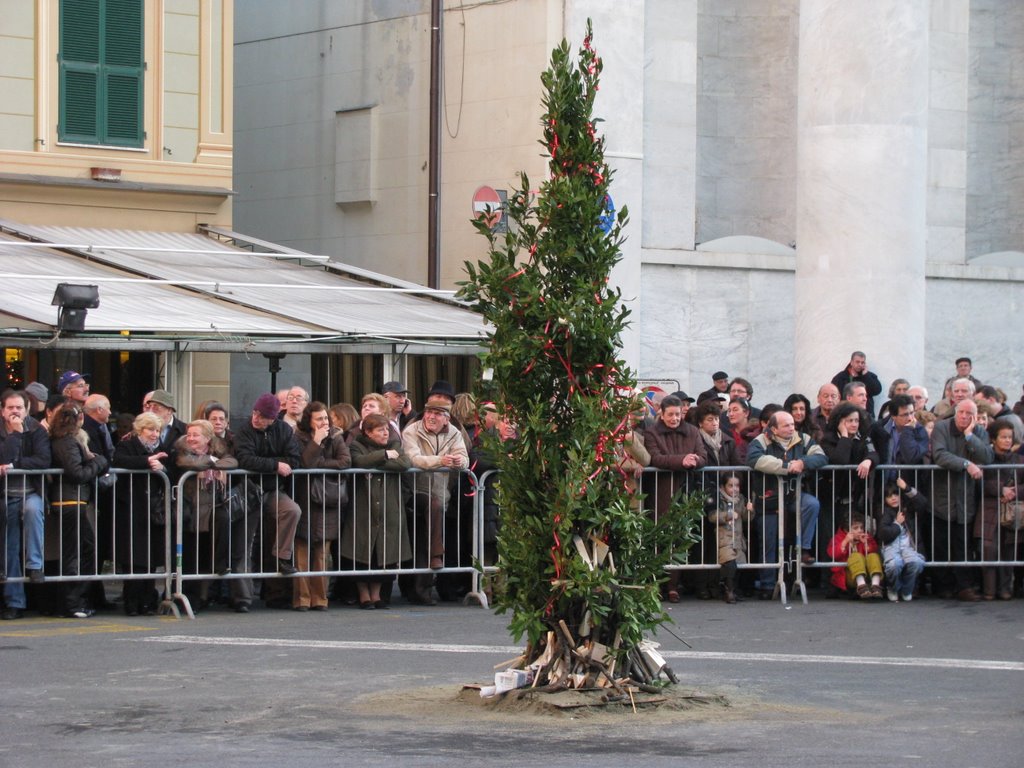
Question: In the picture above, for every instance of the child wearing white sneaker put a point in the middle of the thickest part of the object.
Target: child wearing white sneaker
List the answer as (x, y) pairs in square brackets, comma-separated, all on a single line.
[(902, 562), (858, 551)]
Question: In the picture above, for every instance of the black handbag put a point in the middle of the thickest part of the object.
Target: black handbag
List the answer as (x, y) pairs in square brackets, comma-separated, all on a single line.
[(240, 499), (328, 491), (157, 507)]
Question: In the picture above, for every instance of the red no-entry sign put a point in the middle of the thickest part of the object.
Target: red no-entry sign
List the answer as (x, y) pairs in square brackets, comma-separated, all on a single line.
[(487, 206)]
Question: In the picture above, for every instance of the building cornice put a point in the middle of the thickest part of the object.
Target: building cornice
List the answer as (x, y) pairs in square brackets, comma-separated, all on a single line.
[(40, 180)]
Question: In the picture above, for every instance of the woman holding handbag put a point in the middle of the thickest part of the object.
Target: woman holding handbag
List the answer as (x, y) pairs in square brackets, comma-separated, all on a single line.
[(208, 535), (324, 502)]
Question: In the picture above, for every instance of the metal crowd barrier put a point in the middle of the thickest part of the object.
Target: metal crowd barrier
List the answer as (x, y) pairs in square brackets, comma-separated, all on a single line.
[(436, 513), (109, 534), (841, 494), (123, 534)]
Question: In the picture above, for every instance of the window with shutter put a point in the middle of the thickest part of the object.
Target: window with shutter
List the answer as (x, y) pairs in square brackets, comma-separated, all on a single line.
[(101, 72)]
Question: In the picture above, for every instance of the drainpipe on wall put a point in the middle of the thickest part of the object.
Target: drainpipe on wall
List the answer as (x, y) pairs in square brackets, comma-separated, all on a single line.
[(434, 159)]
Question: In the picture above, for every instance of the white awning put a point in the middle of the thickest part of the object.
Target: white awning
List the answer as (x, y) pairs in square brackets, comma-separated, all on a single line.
[(127, 303), (187, 284)]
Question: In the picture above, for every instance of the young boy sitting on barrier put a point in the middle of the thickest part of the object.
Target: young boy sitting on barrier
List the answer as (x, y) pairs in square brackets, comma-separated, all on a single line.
[(859, 550), (901, 560)]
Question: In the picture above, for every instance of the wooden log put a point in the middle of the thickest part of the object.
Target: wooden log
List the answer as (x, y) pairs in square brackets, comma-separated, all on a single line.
[(511, 662), (567, 635)]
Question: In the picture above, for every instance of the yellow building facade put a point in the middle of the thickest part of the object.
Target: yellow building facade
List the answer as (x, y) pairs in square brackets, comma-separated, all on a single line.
[(178, 173), (116, 172)]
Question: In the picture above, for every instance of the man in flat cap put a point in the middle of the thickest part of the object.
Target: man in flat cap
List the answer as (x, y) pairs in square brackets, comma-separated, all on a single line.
[(401, 407), (162, 403), (719, 385), (432, 444)]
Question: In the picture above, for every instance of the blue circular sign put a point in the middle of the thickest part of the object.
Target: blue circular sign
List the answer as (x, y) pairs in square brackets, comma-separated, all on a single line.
[(607, 220)]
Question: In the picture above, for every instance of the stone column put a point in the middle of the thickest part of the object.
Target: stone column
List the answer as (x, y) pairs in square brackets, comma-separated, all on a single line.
[(619, 39), (862, 171)]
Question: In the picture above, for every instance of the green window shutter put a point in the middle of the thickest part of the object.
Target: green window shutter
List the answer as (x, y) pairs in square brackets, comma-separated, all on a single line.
[(79, 104), (80, 31), (101, 72), (122, 55), (124, 110), (122, 34), (79, 71)]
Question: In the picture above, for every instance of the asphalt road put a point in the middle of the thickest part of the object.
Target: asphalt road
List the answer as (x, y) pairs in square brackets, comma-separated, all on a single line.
[(838, 683)]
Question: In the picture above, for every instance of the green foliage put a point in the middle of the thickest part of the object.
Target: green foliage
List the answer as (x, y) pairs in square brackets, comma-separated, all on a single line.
[(553, 354)]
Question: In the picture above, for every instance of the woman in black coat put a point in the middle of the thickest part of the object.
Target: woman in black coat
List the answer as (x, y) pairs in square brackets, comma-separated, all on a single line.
[(846, 443), (140, 512), (70, 495)]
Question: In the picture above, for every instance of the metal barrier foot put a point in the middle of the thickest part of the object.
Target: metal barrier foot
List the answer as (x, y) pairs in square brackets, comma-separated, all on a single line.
[(169, 607), (798, 579), (798, 584), (780, 591), (480, 598)]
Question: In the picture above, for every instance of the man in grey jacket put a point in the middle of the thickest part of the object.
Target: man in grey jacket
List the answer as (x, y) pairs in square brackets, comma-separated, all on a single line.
[(959, 446), (781, 457)]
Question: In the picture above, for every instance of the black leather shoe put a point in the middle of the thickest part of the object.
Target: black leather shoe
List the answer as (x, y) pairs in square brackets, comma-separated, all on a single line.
[(35, 576), (286, 568), (10, 614)]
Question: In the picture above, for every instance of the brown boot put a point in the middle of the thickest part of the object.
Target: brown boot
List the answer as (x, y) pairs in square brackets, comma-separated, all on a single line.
[(988, 583)]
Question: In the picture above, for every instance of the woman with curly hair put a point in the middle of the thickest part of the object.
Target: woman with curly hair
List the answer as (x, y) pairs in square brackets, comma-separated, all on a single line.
[(799, 407)]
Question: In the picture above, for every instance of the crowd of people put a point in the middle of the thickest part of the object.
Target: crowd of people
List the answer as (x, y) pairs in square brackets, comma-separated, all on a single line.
[(271, 519), (855, 472), (874, 524)]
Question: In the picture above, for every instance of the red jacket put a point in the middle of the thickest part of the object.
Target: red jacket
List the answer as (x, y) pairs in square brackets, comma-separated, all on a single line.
[(836, 552)]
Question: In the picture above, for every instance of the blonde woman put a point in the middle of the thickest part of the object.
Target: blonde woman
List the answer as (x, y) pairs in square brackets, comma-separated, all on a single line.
[(139, 514)]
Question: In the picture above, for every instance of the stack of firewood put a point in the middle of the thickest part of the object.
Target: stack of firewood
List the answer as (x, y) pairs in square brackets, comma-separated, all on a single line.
[(581, 661)]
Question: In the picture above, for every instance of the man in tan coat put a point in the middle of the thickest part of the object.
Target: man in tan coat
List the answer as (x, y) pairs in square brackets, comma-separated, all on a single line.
[(432, 444)]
